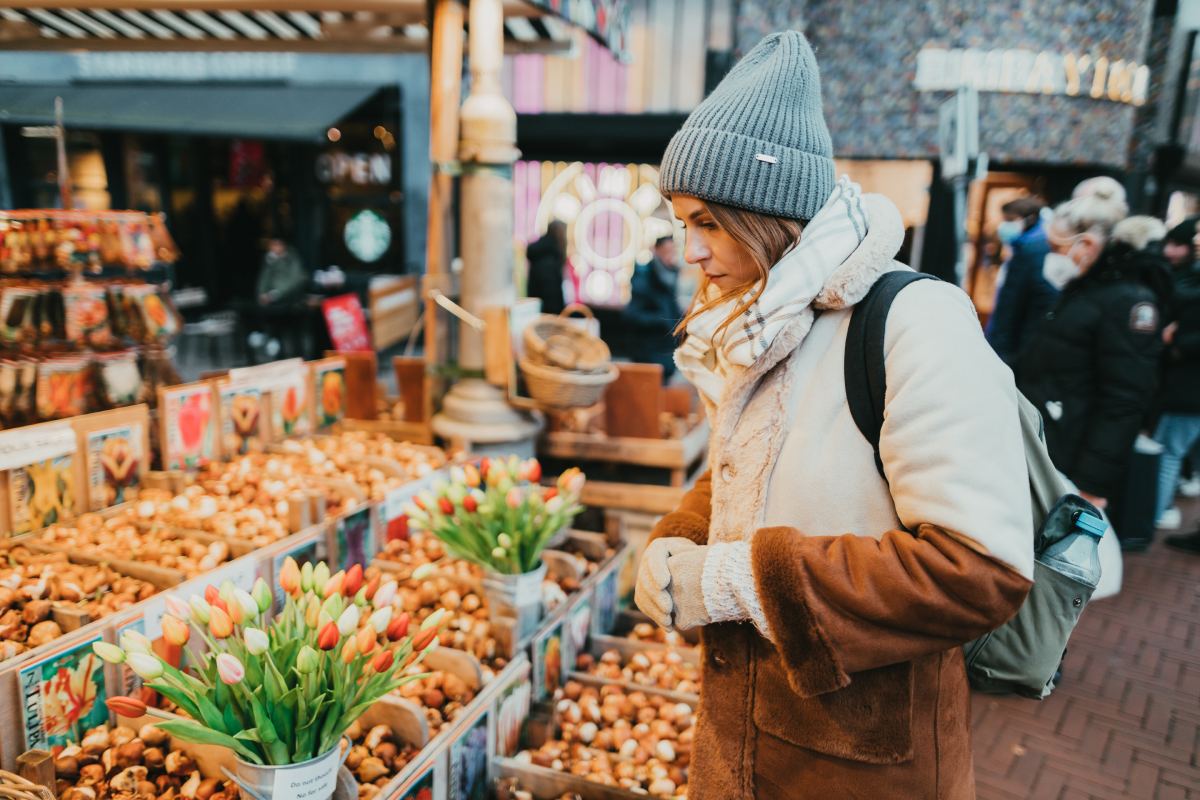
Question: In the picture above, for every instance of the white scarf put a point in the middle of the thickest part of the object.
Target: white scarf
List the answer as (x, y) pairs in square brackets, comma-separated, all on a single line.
[(792, 285)]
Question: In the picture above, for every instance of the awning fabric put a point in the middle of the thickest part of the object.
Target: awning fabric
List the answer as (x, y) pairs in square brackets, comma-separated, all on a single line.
[(267, 112)]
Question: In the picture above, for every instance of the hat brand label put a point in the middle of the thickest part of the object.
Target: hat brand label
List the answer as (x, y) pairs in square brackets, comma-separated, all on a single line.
[(767, 159)]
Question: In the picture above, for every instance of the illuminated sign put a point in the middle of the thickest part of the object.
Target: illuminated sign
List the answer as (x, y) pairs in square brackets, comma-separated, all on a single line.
[(1029, 72), (361, 169), (367, 236)]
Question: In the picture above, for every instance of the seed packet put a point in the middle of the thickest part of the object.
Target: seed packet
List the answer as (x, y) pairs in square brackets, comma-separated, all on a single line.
[(23, 408), (41, 494), (8, 392), (120, 380), (17, 307), (62, 387), (86, 309)]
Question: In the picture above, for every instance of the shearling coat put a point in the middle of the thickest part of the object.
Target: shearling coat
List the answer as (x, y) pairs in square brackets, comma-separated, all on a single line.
[(868, 587)]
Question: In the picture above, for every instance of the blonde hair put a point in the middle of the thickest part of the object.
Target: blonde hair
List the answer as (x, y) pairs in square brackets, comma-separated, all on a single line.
[(1104, 188), (765, 238), (1139, 231), (1091, 213)]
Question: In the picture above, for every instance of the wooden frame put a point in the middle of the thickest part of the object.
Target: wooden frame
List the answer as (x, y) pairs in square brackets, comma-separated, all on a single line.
[(394, 309), (90, 425)]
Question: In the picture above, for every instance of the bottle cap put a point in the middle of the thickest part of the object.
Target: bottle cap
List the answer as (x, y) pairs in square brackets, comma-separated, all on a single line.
[(1090, 524)]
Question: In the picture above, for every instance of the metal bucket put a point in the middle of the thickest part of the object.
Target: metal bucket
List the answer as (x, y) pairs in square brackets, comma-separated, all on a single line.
[(315, 779), (517, 596)]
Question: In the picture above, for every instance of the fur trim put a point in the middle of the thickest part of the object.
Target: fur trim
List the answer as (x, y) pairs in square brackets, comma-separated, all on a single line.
[(854, 278)]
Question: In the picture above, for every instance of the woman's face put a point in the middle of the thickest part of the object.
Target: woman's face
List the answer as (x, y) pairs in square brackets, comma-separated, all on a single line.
[(724, 261), (1083, 248)]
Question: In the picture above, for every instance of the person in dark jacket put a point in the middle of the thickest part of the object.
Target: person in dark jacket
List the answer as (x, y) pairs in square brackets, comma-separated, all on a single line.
[(1091, 367), (653, 310), (547, 260), (1179, 397), (1024, 296)]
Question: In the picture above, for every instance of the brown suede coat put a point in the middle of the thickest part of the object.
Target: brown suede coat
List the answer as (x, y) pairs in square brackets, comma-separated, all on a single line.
[(884, 715)]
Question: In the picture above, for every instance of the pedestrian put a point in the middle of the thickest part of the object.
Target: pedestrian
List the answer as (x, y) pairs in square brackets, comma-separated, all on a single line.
[(1141, 233), (1024, 295), (831, 602), (653, 310), (1091, 368), (282, 281), (1178, 428), (547, 260)]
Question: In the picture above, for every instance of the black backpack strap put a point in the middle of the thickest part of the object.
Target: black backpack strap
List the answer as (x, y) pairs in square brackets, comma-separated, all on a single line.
[(866, 379)]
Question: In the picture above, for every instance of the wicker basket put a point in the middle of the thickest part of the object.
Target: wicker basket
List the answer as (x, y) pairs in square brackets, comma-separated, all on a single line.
[(554, 341), (564, 388), (14, 787)]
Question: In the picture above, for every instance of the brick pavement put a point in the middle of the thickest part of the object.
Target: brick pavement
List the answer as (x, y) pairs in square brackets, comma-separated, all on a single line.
[(1125, 723)]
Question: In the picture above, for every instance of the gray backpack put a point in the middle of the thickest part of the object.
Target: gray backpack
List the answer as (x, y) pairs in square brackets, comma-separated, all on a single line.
[(1022, 656)]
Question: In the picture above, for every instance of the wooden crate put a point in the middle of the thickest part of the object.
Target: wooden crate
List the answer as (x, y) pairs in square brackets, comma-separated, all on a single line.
[(679, 458)]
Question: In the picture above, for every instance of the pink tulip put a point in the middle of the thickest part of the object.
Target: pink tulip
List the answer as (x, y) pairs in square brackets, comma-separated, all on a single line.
[(230, 669), (514, 498)]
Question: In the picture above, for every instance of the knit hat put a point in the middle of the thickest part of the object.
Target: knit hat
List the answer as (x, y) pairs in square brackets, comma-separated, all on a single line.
[(759, 141), (1184, 232)]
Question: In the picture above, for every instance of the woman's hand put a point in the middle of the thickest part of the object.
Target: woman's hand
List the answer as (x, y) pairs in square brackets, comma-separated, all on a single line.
[(653, 592)]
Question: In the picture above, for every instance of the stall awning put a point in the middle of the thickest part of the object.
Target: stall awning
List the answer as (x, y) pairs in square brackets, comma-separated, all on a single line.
[(328, 26), (268, 112)]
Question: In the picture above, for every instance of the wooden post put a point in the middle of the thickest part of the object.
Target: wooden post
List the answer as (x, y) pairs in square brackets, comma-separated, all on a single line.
[(37, 766), (445, 97)]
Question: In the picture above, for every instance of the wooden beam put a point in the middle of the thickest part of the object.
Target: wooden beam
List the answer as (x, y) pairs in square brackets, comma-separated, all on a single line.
[(632, 497), (180, 45)]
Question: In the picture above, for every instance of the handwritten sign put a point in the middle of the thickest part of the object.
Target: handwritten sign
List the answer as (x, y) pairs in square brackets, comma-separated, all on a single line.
[(312, 780), (23, 446)]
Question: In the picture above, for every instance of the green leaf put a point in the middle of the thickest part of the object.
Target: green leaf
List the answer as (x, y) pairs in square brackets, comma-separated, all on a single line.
[(176, 696), (249, 735), (194, 732)]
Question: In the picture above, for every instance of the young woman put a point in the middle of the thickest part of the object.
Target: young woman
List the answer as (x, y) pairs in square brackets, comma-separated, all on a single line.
[(832, 603)]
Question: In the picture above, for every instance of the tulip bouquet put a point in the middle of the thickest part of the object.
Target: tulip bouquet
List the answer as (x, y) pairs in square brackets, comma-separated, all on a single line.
[(497, 515), (283, 691)]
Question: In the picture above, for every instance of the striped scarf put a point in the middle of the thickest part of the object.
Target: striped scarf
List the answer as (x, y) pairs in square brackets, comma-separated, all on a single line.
[(792, 285)]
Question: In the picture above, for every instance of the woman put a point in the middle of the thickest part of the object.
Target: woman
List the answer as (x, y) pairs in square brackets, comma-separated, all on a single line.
[(832, 604), (1091, 369)]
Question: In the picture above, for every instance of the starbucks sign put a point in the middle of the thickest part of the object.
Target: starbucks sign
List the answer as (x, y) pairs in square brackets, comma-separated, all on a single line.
[(367, 236)]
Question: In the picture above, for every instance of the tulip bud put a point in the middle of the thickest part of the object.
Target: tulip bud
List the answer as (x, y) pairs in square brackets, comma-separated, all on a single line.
[(445, 505), (334, 584), (145, 666), (485, 468), (471, 475), (424, 639), (353, 581), (257, 641), (109, 652), (227, 590), (499, 553), (457, 475), (398, 628), (237, 614), (422, 572), (554, 505), (348, 622), (262, 595), (385, 595), (383, 661), (134, 642), (200, 610), (372, 586), (433, 620), (365, 640), (126, 707), (550, 494), (177, 607), (306, 577), (175, 631), (328, 638), (349, 650), (504, 540), (469, 504), (320, 578), (230, 669), (312, 612), (307, 660), (289, 576), (381, 618), (531, 471), (360, 599), (514, 498), (220, 624), (211, 594)]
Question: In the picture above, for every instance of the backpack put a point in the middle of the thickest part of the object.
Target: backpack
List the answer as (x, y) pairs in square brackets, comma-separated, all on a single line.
[(1023, 655)]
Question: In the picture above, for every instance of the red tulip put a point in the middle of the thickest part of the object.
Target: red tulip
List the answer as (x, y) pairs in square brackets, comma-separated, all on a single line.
[(424, 639), (353, 581), (126, 707), (219, 603), (398, 628), (550, 493), (328, 638), (373, 586), (382, 661), (445, 505), (484, 466), (470, 505), (211, 593), (532, 470), (419, 503)]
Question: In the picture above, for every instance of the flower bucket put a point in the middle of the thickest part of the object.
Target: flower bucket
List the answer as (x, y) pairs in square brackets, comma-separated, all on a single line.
[(517, 596), (315, 779)]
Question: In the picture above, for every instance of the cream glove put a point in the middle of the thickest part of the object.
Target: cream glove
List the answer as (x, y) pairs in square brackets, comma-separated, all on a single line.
[(687, 589), (652, 593)]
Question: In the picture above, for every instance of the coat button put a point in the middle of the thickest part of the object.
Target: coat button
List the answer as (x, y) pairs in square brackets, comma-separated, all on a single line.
[(719, 661), (728, 473)]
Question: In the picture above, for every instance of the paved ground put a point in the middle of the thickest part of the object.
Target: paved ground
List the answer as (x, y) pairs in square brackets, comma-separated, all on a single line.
[(1125, 723)]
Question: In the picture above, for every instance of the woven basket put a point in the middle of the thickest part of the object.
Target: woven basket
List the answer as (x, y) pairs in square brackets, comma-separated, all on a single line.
[(14, 787), (554, 341), (563, 388)]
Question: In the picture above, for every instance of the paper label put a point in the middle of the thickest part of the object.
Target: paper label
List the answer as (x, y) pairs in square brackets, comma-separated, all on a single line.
[(268, 376), (468, 762), (62, 695), (548, 663), (23, 446), (314, 780), (329, 381), (575, 633), (114, 460), (190, 427)]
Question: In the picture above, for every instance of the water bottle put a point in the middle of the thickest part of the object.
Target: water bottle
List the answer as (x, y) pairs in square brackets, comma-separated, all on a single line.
[(1077, 554)]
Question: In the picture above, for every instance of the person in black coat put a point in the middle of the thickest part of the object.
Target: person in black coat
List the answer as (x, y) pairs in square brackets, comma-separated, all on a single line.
[(1091, 367), (547, 261), (1179, 396), (653, 310), (1024, 296)]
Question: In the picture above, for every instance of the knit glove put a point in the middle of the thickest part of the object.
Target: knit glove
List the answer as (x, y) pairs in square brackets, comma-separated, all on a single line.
[(687, 589), (654, 577)]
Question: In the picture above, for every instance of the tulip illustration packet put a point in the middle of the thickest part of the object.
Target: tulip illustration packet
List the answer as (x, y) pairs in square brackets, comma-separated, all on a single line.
[(62, 695)]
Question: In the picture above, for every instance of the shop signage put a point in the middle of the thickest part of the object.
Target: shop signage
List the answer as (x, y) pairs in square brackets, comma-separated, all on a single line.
[(347, 323), (360, 169), (368, 236), (186, 67), (1029, 72)]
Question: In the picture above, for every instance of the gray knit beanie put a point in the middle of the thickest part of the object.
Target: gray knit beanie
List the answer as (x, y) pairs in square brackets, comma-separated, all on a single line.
[(759, 141)]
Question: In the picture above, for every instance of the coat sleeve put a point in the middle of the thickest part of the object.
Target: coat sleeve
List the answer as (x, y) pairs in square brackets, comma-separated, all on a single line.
[(642, 311), (691, 519), (1008, 315), (952, 450), (1126, 363)]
